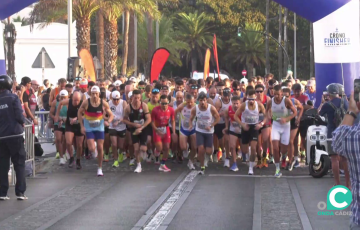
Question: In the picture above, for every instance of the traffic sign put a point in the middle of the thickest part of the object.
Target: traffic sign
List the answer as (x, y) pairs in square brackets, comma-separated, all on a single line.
[(244, 72)]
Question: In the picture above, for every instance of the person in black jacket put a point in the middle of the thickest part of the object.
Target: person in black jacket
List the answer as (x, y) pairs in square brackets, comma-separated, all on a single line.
[(11, 124)]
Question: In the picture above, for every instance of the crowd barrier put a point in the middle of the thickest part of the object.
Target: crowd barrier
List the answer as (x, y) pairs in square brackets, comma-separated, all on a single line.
[(44, 128), (29, 140)]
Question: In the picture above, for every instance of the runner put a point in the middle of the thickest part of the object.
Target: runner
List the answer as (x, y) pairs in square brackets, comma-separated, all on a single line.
[(221, 106), (175, 141), (234, 130), (207, 117), (278, 109), (59, 125), (117, 129), (153, 101), (137, 117), (160, 116), (187, 134), (93, 125), (250, 111), (55, 92), (294, 125), (87, 94), (72, 127)]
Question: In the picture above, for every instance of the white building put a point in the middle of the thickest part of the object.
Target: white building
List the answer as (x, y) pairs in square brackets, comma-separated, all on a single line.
[(54, 39)]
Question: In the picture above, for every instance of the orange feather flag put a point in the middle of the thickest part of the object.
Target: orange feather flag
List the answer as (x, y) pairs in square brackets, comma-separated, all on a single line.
[(207, 64)]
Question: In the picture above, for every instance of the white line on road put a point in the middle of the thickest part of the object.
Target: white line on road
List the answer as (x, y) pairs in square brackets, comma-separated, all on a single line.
[(256, 176), (170, 202)]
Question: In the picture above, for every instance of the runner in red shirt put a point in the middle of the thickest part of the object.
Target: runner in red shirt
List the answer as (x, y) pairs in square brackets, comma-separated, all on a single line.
[(160, 117)]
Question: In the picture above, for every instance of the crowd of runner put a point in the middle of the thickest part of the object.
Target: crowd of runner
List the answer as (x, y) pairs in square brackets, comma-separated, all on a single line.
[(254, 119)]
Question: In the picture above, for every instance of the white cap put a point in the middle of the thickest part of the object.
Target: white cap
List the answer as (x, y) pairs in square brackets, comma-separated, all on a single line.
[(202, 90), (95, 89), (130, 94), (117, 83), (115, 95), (310, 83), (244, 80), (284, 87), (132, 79), (63, 93)]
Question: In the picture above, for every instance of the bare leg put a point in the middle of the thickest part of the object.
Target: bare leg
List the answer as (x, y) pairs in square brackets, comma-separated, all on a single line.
[(100, 149), (335, 168)]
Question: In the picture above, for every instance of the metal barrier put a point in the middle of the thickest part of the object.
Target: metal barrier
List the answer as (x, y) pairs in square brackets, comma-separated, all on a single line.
[(43, 130), (29, 134)]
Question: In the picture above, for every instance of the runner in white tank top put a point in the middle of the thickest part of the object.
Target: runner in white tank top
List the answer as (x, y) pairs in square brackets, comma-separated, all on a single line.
[(250, 110), (117, 128), (278, 110), (175, 147)]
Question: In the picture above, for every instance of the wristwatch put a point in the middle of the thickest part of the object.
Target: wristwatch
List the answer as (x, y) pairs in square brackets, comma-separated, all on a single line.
[(352, 114)]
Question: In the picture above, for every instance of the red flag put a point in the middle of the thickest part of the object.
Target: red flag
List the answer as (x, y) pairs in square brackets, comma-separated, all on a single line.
[(216, 56), (207, 64), (158, 61)]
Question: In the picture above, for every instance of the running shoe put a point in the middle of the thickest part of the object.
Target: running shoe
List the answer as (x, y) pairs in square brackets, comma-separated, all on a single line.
[(271, 160), (215, 158), (138, 168), (227, 163), (62, 161), (251, 171), (234, 167), (71, 162), (297, 164), (22, 197), (163, 168), (259, 164), (206, 161), (78, 165), (100, 172), (190, 165), (264, 163), (67, 155), (94, 154), (4, 198), (106, 157), (57, 156), (170, 154), (116, 164), (283, 163), (124, 156), (132, 162), (278, 174), (120, 158), (202, 171)]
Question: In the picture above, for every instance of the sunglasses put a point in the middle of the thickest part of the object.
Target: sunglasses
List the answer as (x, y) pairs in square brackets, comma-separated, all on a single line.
[(235, 89), (155, 91), (141, 88), (194, 87), (250, 99), (78, 79), (259, 91), (116, 99), (164, 103)]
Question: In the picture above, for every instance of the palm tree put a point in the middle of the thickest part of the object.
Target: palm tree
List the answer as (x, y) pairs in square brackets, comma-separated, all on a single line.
[(167, 39), (248, 49), (49, 11), (267, 54), (194, 29), (100, 41)]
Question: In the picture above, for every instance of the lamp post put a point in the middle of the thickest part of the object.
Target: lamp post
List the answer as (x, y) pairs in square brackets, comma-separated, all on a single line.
[(10, 38), (265, 34)]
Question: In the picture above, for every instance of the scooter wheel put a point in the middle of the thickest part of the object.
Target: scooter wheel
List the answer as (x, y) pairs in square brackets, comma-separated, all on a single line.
[(318, 171)]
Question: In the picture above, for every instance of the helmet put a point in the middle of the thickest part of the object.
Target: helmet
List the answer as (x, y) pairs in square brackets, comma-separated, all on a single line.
[(333, 89), (5, 82)]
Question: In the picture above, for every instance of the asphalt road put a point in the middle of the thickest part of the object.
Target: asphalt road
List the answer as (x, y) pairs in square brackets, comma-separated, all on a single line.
[(61, 198)]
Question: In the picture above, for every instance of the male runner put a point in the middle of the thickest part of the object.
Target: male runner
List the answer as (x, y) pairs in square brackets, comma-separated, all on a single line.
[(185, 113), (93, 125), (234, 130), (175, 141), (161, 115), (221, 106), (72, 127), (137, 117), (250, 111), (206, 118), (55, 92), (236, 88), (278, 109), (87, 94)]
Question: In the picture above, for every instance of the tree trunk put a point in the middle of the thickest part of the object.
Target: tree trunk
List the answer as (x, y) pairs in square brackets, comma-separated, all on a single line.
[(280, 69), (312, 63), (285, 41), (267, 38), (126, 42), (83, 33), (250, 69), (150, 36), (131, 55), (100, 41), (193, 62), (111, 48)]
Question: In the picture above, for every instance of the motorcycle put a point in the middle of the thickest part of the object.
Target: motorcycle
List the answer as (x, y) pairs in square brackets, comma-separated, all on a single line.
[(317, 156)]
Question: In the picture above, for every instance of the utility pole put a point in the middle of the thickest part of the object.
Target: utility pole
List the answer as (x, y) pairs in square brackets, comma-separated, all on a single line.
[(135, 45), (295, 28), (69, 9)]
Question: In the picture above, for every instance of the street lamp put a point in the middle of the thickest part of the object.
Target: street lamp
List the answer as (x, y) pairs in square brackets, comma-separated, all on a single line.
[(265, 34), (10, 38)]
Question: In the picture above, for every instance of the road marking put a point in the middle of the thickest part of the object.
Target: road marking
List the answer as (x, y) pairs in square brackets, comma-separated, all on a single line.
[(299, 206), (157, 217), (257, 205), (258, 176)]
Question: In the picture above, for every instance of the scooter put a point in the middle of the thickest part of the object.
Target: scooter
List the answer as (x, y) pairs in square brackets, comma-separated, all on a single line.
[(317, 156)]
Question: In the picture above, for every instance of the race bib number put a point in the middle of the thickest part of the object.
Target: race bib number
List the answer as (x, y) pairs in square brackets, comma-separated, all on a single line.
[(162, 130), (63, 119), (141, 122), (186, 124), (74, 122), (236, 127), (251, 119), (94, 124), (202, 125)]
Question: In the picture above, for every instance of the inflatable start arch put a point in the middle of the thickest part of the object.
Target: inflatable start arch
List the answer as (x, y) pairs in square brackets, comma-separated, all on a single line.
[(336, 40)]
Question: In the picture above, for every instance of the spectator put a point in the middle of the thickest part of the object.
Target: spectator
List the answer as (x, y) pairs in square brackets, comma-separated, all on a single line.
[(29, 100), (39, 97), (46, 84), (45, 100)]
